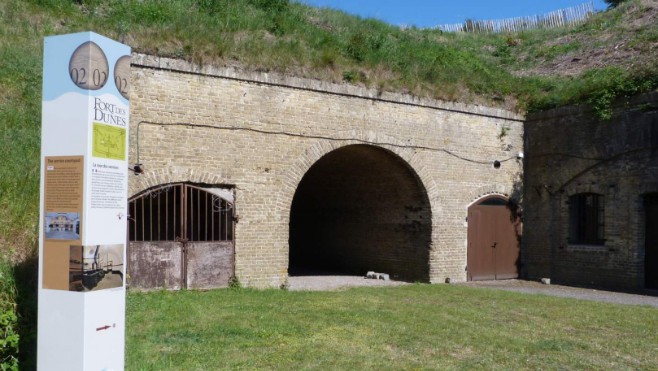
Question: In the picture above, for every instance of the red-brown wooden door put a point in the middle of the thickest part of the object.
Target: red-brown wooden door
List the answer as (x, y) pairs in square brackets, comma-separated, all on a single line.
[(493, 246)]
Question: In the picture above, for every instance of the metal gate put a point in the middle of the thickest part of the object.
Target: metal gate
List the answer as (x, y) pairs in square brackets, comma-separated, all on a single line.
[(493, 245), (181, 236), (651, 241)]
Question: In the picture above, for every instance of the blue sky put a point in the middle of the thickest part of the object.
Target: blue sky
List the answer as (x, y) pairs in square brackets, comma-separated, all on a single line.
[(428, 13)]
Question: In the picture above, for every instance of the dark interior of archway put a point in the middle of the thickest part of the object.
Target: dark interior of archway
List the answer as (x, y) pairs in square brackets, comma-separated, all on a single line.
[(358, 209)]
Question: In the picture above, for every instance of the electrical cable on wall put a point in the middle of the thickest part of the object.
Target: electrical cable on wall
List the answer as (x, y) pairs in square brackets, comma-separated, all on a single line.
[(599, 161), (306, 136)]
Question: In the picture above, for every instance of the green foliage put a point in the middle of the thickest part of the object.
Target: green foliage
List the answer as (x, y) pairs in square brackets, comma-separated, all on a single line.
[(150, 12), (614, 3), (551, 52), (54, 4), (8, 320), (20, 102), (613, 83), (357, 47), (271, 5), (504, 131), (600, 88), (354, 76), (8, 340), (234, 283)]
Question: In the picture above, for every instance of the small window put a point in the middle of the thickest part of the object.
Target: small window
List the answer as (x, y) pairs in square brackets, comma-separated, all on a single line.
[(586, 215)]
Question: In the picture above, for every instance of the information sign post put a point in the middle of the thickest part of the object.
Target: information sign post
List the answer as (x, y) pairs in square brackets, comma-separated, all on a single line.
[(84, 170)]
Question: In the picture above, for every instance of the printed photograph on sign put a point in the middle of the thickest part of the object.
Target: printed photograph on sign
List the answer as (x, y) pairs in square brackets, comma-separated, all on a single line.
[(62, 226), (109, 142), (95, 267)]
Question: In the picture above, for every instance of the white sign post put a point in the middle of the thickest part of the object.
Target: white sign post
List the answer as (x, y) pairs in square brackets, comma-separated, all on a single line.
[(84, 182)]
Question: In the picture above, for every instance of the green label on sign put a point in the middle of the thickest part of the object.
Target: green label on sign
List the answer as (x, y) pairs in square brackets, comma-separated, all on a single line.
[(109, 142)]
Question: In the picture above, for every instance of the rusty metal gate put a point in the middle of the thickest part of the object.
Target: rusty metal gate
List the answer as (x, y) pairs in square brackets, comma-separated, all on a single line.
[(493, 245), (651, 241), (181, 236)]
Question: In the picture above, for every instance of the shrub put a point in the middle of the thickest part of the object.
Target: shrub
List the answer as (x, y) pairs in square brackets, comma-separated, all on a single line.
[(8, 319), (273, 5), (613, 3)]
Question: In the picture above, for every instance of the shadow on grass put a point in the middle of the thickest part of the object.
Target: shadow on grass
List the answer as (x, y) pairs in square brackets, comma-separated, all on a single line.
[(26, 275)]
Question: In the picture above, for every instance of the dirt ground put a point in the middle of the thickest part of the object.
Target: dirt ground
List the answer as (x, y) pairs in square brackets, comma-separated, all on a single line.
[(340, 282), (608, 47)]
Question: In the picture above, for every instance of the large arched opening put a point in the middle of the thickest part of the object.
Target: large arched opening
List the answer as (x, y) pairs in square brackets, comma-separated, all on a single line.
[(361, 208)]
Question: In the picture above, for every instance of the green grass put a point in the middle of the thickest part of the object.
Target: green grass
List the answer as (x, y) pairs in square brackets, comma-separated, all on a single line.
[(410, 327), (20, 102), (9, 338)]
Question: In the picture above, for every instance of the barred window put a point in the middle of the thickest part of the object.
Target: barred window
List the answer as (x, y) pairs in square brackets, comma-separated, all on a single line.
[(586, 219)]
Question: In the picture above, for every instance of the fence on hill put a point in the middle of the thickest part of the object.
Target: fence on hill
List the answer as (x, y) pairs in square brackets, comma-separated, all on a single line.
[(558, 18)]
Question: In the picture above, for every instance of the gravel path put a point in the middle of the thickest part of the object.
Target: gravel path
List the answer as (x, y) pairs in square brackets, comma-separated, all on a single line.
[(339, 282), (532, 287), (333, 282)]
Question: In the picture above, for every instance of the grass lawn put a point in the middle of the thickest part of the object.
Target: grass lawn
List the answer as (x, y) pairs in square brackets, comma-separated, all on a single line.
[(409, 327)]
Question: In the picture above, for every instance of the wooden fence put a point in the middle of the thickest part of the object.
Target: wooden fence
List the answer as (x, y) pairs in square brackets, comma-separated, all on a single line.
[(558, 18)]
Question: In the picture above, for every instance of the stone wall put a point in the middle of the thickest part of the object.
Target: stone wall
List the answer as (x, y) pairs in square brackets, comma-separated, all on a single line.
[(570, 151), (259, 134)]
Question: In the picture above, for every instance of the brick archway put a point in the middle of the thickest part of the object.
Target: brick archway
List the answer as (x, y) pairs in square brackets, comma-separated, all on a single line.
[(365, 171), (294, 175), (174, 174)]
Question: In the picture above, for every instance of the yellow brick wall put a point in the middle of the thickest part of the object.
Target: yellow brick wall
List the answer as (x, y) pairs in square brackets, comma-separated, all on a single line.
[(260, 133)]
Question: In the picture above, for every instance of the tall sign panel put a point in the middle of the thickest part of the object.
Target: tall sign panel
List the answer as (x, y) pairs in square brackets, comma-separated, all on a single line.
[(84, 182)]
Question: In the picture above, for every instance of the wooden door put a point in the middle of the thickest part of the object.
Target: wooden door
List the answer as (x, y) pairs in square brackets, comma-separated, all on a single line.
[(493, 248), (480, 254)]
